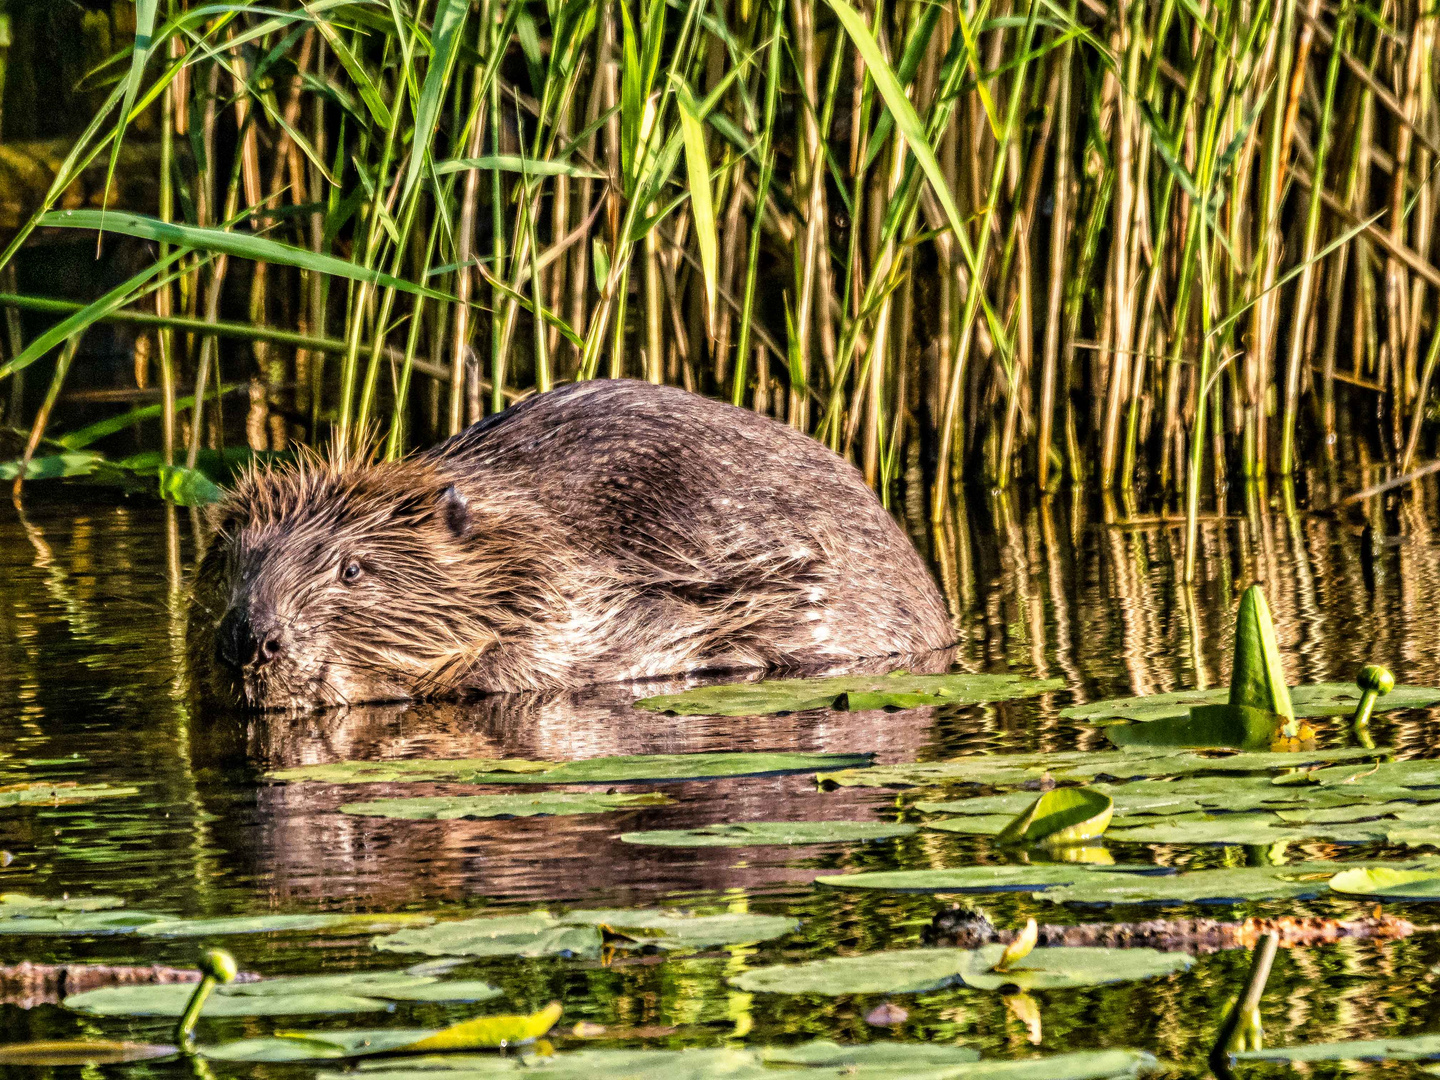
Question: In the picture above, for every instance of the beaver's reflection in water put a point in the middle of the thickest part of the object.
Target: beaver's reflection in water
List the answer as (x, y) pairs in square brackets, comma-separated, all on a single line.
[(309, 851)]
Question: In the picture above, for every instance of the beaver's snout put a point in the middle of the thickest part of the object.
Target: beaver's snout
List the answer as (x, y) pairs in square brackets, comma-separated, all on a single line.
[(239, 644)]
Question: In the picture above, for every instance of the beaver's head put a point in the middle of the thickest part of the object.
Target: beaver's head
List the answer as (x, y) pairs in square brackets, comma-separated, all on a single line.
[(327, 584)]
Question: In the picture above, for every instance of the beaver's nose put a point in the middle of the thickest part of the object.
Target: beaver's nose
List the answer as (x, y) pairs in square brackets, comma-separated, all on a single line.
[(238, 645)]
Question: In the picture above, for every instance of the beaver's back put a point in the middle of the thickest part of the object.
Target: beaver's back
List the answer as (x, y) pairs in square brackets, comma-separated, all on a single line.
[(770, 545)]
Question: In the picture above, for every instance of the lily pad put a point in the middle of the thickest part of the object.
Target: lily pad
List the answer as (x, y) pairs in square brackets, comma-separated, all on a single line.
[(753, 833), (1221, 726), (1388, 883), (536, 933), (1414, 1048), (332, 922), (855, 693), (668, 930), (1061, 816), (1317, 699), (293, 996), (81, 1052), (1062, 969), (1025, 878), (918, 971), (21, 906), (1244, 828), (600, 770), (406, 769), (452, 807), (122, 921), (45, 793), (1231, 885), (873, 1061), (1008, 770), (476, 1033)]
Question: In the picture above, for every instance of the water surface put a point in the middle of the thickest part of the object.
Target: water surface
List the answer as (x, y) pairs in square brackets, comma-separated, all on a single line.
[(92, 689)]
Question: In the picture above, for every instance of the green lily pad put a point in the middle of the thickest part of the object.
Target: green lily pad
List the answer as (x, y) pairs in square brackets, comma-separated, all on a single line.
[(601, 770), (1062, 816), (855, 693), (1231, 885), (1414, 1048), (81, 1052), (1244, 828), (1008, 770), (752, 833), (1317, 699), (1063, 969), (918, 971), (1222, 726), (475, 1033), (668, 930), (406, 769), (1026, 878), (290, 996), (973, 825), (1388, 883), (82, 923), (873, 1061), (332, 922), (21, 906), (45, 793), (536, 933), (170, 1000), (452, 807)]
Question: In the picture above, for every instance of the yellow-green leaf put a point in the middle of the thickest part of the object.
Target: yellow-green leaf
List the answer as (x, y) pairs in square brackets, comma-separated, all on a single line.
[(1257, 678), (702, 206), (485, 1031), (1062, 816), (1020, 948)]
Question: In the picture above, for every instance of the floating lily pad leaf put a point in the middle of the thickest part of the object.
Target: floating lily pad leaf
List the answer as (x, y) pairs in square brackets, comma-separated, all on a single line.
[(406, 769), (974, 878), (170, 1000), (1415, 1048), (751, 833), (452, 807), (1388, 883), (1245, 828), (1340, 815), (290, 996), (479, 1032), (81, 1052), (691, 1064), (874, 1061), (1062, 816), (821, 1053), (332, 922), (19, 905), (1222, 726), (53, 794), (918, 971), (897, 971), (669, 930), (1318, 699), (601, 770), (1232, 885), (974, 825), (537, 933), (1002, 770), (855, 693), (82, 923), (1062, 969)]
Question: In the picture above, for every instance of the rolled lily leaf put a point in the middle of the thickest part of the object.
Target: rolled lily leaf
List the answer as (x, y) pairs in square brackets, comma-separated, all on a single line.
[(1062, 816), (1257, 678), (80, 1052), (1021, 947)]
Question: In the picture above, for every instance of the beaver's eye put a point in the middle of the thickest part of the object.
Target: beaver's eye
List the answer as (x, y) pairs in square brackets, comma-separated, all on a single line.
[(352, 570)]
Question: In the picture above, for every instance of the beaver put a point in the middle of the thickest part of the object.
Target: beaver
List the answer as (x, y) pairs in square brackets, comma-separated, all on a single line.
[(605, 531)]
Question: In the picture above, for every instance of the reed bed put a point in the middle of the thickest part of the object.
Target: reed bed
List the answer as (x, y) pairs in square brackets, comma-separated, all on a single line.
[(1147, 247)]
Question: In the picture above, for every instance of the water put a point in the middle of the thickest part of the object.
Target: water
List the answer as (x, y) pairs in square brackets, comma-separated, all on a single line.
[(91, 613)]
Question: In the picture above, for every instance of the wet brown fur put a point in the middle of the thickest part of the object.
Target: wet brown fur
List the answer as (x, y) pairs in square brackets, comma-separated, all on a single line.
[(610, 530)]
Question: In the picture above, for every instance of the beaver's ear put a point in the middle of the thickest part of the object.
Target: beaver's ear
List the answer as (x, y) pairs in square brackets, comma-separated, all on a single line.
[(455, 511)]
